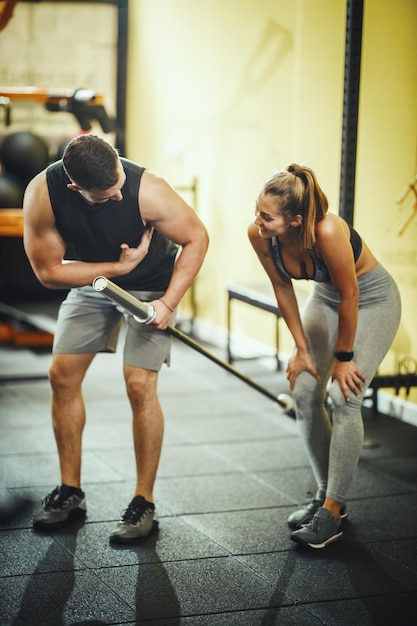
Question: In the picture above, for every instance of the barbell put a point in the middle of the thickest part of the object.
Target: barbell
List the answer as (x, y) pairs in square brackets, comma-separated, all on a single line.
[(145, 313)]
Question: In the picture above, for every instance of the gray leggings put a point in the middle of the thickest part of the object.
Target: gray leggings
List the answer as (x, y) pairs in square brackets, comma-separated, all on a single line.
[(334, 446)]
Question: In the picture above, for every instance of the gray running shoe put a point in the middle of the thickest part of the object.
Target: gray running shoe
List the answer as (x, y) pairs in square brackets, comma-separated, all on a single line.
[(59, 507), (139, 519), (321, 531), (303, 516)]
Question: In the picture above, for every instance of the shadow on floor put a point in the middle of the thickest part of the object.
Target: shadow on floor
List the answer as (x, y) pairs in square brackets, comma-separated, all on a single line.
[(231, 472)]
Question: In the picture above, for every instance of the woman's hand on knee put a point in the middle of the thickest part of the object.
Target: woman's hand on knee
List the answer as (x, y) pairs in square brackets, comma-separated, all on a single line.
[(300, 362), (350, 378)]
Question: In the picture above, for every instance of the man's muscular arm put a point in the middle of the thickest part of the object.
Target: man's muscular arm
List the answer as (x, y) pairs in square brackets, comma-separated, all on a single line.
[(45, 247), (173, 218)]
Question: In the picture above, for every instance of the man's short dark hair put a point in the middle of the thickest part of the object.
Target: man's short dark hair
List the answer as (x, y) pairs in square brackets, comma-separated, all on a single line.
[(91, 163)]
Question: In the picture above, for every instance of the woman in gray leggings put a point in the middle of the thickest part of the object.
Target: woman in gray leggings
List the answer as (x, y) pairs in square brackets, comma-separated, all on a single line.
[(347, 326)]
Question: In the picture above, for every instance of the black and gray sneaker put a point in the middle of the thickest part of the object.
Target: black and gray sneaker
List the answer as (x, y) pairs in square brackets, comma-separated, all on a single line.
[(63, 504), (303, 516), (322, 530), (139, 519)]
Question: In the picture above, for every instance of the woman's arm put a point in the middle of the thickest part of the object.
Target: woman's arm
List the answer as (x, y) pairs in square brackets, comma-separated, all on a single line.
[(288, 306), (333, 244)]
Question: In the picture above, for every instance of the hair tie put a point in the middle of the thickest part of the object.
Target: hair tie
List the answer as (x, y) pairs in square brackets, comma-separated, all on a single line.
[(167, 305)]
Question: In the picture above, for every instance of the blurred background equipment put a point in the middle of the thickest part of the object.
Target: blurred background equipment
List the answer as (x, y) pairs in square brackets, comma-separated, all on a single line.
[(11, 192), (23, 155), (412, 187), (6, 12), (84, 104)]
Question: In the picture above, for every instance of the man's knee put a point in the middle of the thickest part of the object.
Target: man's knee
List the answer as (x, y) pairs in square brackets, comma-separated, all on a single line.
[(68, 371), (140, 383), (57, 375)]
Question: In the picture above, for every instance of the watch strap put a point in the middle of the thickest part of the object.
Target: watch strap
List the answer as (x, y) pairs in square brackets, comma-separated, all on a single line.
[(344, 355)]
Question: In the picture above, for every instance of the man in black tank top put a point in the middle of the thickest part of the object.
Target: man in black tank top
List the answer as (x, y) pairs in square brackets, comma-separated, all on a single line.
[(96, 214)]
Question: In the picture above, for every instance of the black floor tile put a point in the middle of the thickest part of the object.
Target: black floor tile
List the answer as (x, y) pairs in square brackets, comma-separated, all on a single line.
[(383, 519), (384, 610), (205, 494), (192, 587), (61, 598), (232, 470), (250, 531), (277, 616), (174, 541), (341, 571)]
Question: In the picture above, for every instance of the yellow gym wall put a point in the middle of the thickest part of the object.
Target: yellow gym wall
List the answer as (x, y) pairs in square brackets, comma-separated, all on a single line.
[(386, 163), (229, 90)]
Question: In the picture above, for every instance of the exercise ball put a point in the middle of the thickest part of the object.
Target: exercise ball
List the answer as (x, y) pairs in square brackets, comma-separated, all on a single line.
[(11, 192), (24, 154)]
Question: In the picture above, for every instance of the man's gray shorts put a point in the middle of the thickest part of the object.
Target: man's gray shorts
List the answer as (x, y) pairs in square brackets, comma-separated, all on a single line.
[(88, 322)]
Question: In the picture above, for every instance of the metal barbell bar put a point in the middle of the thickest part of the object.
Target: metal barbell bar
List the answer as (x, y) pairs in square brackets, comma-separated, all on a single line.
[(145, 314)]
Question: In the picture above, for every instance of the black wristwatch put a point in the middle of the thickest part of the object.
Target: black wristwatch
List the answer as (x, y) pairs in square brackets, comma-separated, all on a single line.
[(344, 355)]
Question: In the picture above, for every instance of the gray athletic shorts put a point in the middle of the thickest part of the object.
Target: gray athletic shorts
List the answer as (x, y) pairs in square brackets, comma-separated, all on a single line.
[(89, 322)]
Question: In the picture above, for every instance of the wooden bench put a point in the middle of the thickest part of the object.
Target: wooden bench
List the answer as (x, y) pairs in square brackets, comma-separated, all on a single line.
[(11, 222)]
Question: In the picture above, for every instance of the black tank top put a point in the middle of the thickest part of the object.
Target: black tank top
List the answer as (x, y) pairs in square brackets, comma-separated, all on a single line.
[(94, 233)]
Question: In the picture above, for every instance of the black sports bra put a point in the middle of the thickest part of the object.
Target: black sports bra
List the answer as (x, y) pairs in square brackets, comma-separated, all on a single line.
[(320, 271)]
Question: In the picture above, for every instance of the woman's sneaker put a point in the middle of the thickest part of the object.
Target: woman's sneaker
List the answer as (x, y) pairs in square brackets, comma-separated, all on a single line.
[(139, 519), (322, 530), (61, 505), (303, 516)]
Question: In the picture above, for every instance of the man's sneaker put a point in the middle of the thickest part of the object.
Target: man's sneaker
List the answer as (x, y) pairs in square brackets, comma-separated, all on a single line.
[(303, 516), (139, 519), (321, 531), (63, 504)]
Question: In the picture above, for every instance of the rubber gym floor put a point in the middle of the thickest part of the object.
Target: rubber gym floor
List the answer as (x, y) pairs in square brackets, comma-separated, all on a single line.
[(232, 470)]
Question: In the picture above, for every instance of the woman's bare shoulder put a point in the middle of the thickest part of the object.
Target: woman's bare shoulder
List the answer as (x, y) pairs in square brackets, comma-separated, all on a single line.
[(331, 225)]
